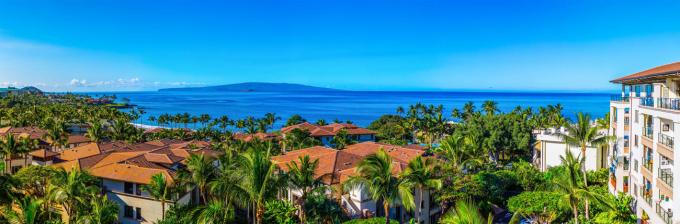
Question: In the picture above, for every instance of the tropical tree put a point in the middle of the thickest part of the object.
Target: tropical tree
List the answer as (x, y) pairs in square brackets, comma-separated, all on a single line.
[(618, 211), (374, 173), (96, 132), (28, 212), (298, 139), (56, 136), (295, 119), (568, 185), (465, 212), (10, 146), (160, 190), (72, 190), (213, 212), (101, 211), (421, 174), (258, 178), (280, 212), (202, 171), (341, 140), (301, 176), (583, 134)]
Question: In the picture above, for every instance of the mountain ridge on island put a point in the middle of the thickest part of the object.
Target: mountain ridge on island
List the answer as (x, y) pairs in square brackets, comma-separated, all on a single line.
[(254, 87)]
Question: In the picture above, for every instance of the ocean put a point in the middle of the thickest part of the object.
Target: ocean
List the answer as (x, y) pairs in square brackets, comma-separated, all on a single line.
[(360, 107)]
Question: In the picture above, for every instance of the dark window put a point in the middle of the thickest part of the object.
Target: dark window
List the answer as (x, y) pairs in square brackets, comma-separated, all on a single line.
[(139, 213), (128, 212), (138, 190), (129, 188)]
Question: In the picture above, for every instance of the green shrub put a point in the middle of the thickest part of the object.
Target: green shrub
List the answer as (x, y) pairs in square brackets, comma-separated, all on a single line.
[(379, 220)]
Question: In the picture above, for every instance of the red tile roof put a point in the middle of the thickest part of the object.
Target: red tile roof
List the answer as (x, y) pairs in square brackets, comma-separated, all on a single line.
[(260, 136), (668, 69), (328, 130), (336, 165)]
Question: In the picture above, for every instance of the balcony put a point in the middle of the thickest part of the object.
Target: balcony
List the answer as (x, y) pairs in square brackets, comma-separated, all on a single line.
[(663, 103), (666, 215), (647, 101), (666, 175), (618, 98), (647, 197), (648, 132), (666, 140)]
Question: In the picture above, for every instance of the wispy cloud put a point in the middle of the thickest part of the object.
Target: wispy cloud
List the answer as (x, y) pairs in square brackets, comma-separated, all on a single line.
[(28, 63)]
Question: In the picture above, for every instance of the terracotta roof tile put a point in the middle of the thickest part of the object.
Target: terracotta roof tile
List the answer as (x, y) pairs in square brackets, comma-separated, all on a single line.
[(656, 71), (77, 139), (43, 153), (80, 152), (130, 173), (328, 130)]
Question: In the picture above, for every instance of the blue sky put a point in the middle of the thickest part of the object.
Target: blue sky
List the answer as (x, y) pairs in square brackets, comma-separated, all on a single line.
[(358, 45)]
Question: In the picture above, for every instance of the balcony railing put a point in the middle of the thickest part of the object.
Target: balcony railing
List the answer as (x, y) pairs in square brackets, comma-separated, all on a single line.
[(647, 197), (666, 176), (647, 101), (666, 140), (619, 98), (666, 216), (668, 103), (648, 132), (648, 165)]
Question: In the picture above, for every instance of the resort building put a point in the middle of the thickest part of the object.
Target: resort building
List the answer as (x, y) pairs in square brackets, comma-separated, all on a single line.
[(336, 166), (643, 119), (44, 153), (124, 169), (326, 133), (550, 147), (259, 136)]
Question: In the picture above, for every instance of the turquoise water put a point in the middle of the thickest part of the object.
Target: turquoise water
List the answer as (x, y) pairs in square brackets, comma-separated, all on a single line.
[(359, 107)]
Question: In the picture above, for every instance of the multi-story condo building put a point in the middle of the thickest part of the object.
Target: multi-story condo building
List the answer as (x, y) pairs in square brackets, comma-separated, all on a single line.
[(643, 119)]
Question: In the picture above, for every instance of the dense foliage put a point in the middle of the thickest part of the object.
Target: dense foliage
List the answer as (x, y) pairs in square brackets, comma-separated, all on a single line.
[(476, 161)]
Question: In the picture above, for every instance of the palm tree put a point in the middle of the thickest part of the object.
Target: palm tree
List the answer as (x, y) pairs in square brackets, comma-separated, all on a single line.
[(341, 140), (490, 107), (214, 212), (583, 134), (301, 177), (202, 171), (258, 178), (421, 174), (375, 175), (568, 184), (27, 212), (618, 211), (465, 212), (56, 136), (95, 132), (9, 146), (160, 190), (101, 211), (26, 145), (72, 190)]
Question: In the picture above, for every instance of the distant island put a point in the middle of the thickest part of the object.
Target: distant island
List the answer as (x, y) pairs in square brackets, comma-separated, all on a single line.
[(255, 87)]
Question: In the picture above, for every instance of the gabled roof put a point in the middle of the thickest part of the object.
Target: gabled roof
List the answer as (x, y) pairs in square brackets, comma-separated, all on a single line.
[(649, 74), (31, 132), (80, 152), (134, 162), (328, 130), (336, 165)]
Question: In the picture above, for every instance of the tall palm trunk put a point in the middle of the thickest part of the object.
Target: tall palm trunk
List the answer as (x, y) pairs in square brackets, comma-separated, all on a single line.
[(260, 213), (419, 205), (386, 206), (574, 209), (9, 164), (585, 180), (162, 209)]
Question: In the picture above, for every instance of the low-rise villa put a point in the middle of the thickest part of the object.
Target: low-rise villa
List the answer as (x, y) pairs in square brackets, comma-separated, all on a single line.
[(125, 168), (336, 166), (325, 133)]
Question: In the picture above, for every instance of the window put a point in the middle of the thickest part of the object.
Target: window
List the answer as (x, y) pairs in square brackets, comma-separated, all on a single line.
[(636, 165), (138, 190), (636, 116), (129, 188), (649, 89), (638, 89), (636, 140), (139, 214), (128, 212)]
